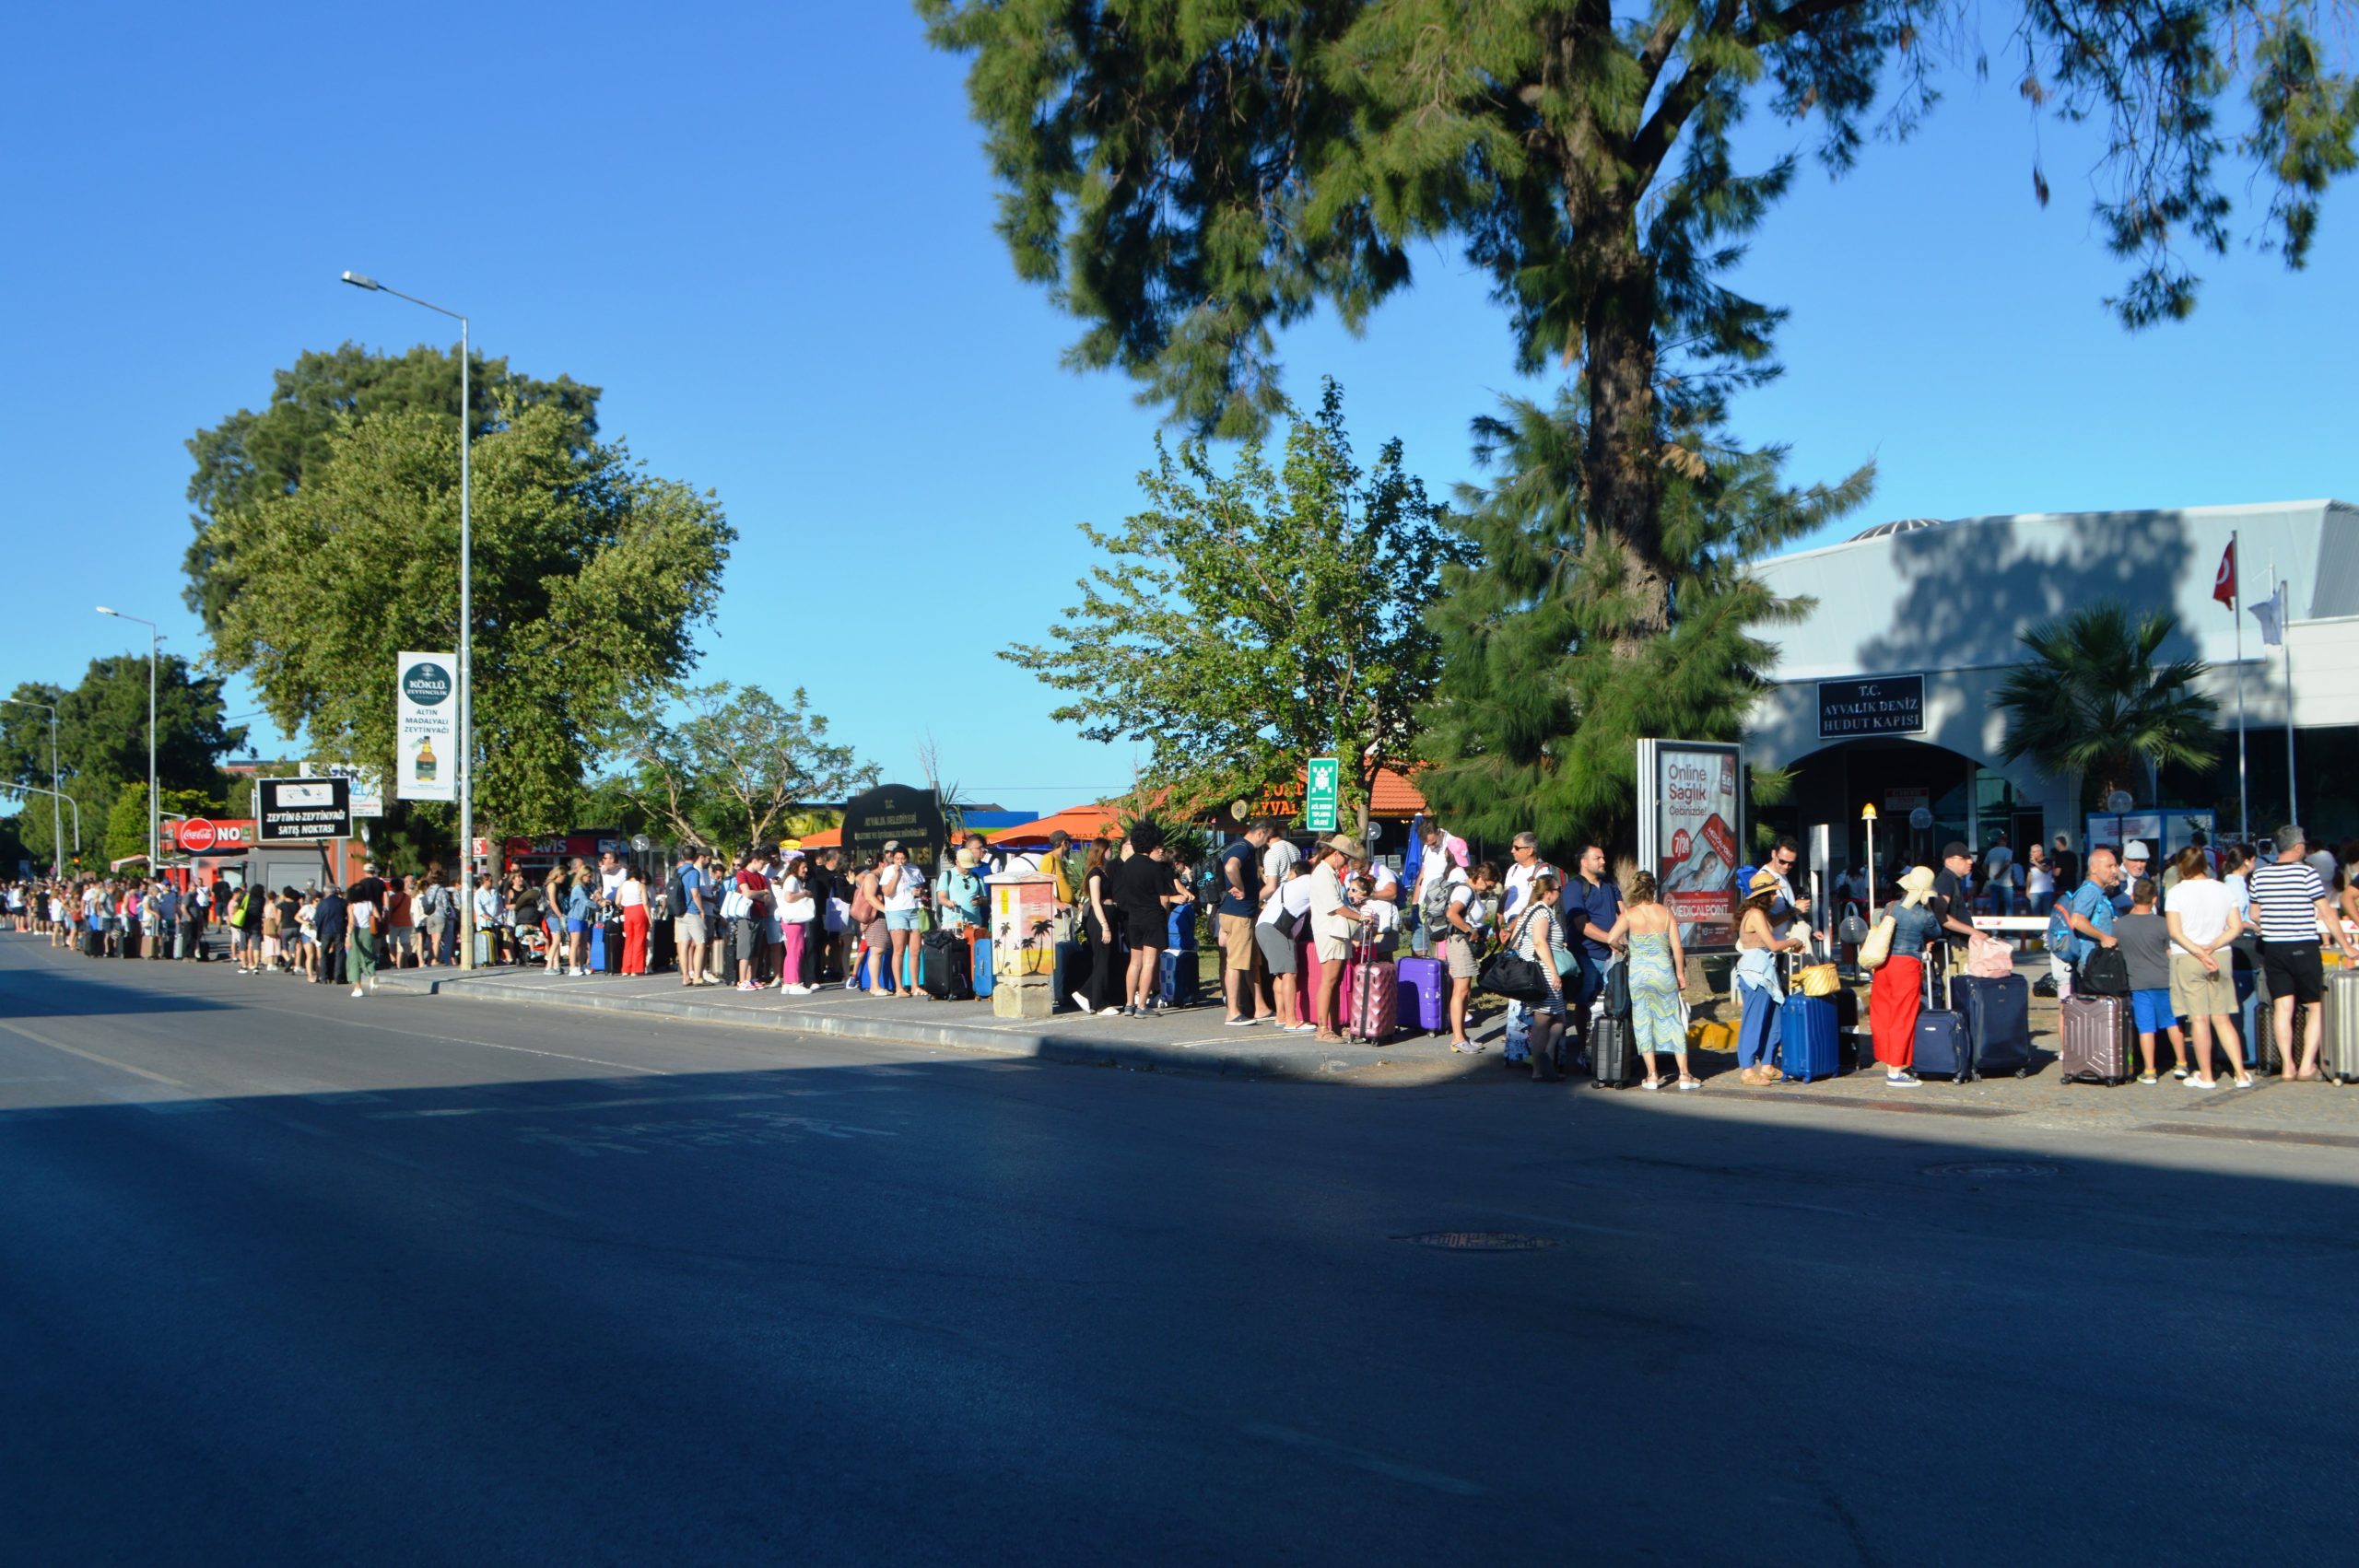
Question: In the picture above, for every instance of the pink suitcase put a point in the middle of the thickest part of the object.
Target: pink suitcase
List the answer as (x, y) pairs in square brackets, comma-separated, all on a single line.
[(1371, 997), (2094, 1039)]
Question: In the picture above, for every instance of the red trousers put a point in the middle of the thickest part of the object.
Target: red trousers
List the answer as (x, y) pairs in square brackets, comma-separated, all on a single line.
[(635, 938), (1895, 998)]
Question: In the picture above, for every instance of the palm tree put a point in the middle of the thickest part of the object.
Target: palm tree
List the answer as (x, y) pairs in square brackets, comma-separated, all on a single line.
[(2093, 702)]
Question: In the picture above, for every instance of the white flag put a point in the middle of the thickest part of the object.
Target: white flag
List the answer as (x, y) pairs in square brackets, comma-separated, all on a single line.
[(2270, 613)]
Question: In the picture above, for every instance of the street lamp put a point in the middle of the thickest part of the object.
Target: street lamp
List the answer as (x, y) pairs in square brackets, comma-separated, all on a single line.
[(154, 637), (54, 795), (466, 624), (56, 790)]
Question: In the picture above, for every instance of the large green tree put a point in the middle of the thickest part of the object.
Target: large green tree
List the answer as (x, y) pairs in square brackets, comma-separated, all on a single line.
[(249, 455), (1535, 721), (1250, 618), (103, 741), (591, 579), (726, 766), (1187, 176)]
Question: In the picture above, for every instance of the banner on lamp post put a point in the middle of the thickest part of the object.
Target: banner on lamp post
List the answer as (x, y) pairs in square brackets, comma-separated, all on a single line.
[(425, 743)]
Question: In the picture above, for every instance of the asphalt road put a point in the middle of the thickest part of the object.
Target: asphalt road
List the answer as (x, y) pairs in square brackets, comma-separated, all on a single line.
[(288, 1277)]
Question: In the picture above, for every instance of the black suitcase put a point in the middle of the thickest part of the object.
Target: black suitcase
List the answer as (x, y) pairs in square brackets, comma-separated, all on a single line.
[(728, 938), (1943, 1047), (946, 968), (1998, 1022), (93, 944), (1611, 1062)]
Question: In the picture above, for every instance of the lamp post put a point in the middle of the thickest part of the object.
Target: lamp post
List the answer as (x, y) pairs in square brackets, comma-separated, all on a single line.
[(56, 792), (54, 795), (154, 637), (1868, 816), (467, 626)]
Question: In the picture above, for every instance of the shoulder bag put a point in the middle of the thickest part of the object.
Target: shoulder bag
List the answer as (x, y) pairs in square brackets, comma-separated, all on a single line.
[(1509, 974), (1878, 947)]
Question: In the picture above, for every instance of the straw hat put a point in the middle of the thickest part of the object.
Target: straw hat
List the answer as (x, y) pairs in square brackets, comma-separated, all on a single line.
[(1762, 882), (1353, 848), (1918, 885)]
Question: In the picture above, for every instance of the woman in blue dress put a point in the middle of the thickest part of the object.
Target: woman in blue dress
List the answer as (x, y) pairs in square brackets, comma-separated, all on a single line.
[(1656, 961)]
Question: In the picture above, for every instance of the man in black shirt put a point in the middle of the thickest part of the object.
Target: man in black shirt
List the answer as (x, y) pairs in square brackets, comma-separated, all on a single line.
[(1952, 900), (2067, 866)]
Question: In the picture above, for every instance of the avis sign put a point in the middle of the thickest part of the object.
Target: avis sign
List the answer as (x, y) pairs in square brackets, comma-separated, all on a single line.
[(426, 713)]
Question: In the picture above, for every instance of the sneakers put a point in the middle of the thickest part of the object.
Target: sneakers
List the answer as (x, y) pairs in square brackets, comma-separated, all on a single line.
[(2148, 1078), (1901, 1080), (356, 990), (1081, 1000), (1298, 1029), (1107, 1011), (1238, 1022), (2202, 1082), (747, 986)]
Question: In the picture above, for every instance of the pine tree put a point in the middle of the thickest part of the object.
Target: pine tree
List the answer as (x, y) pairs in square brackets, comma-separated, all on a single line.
[(1534, 722)]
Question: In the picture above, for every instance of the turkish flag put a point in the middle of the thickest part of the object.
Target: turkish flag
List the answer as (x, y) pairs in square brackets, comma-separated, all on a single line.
[(2223, 586)]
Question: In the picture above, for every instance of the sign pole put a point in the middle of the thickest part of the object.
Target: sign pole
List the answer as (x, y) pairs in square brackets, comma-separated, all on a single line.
[(2236, 612)]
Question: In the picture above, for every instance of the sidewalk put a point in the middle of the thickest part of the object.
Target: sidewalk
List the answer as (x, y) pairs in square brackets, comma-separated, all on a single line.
[(1194, 1040), (1187, 1040)]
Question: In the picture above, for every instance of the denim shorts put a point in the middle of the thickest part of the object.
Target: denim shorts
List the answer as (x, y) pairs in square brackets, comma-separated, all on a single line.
[(900, 920), (577, 926), (2154, 1011)]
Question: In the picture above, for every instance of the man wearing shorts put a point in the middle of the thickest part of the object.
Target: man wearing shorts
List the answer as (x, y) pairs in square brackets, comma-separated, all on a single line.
[(688, 916), (2289, 903), (1240, 905)]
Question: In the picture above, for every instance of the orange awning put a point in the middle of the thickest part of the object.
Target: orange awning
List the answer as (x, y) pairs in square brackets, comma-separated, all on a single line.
[(1084, 823)]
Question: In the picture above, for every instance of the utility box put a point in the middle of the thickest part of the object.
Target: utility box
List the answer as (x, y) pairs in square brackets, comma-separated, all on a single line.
[(1023, 926)]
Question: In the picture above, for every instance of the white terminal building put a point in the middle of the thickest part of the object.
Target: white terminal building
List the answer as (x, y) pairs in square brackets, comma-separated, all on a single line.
[(1886, 694)]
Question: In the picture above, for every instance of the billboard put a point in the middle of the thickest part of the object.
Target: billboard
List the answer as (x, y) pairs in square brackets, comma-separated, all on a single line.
[(426, 727), (1690, 827), (296, 811)]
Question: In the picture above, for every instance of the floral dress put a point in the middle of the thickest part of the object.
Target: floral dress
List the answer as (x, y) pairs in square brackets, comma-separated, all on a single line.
[(1656, 1023)]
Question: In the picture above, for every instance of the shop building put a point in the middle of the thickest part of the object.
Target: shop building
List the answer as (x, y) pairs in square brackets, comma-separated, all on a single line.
[(1887, 692)]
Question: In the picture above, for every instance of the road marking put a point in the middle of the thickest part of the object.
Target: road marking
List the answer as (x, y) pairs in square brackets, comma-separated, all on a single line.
[(91, 1056), (1360, 1459)]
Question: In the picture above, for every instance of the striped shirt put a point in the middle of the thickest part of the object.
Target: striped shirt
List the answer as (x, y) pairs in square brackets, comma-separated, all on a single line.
[(2286, 895)]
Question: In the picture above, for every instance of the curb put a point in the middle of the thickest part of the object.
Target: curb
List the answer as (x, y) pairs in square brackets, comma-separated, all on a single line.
[(1142, 1055)]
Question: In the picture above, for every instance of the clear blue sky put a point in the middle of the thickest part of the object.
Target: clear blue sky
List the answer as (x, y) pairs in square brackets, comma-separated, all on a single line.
[(766, 231)]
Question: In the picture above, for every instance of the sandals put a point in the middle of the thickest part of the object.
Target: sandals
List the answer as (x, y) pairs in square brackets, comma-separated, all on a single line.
[(1689, 1081)]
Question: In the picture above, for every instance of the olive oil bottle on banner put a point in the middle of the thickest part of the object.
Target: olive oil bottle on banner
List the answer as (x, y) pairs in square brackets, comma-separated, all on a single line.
[(424, 771)]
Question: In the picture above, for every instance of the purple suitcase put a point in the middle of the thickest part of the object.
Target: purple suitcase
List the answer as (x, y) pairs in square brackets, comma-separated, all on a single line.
[(1424, 994)]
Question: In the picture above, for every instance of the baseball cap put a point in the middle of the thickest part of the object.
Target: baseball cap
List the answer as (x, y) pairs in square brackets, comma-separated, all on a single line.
[(1955, 847), (2136, 850)]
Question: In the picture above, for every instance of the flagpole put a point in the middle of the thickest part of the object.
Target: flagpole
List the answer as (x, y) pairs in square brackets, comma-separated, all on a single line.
[(2236, 612), (2285, 636)]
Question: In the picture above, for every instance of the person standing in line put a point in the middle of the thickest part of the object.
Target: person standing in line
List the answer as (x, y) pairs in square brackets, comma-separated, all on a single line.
[(1467, 905), (2201, 918), (1056, 863), (834, 889), (900, 887), (1657, 965), (331, 921), (580, 908), (2291, 904), (631, 899), (433, 910), (400, 923), (292, 942), (1591, 904), (1237, 915), (1896, 994), (1526, 865), (1756, 982), (1331, 920), (1284, 910), (1538, 933), (364, 909), (1953, 905), (2039, 882), (2067, 864), (2135, 858), (750, 927), (2145, 942), (192, 909), (2086, 918), (688, 888), (249, 934), (798, 912), (1105, 953), (1144, 895), (1999, 874)]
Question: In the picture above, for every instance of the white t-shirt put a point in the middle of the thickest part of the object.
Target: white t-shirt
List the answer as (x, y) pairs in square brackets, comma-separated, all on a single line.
[(1280, 858), (1292, 901), (610, 883), (363, 916), (795, 904), (1472, 906), (2203, 906), (1326, 898), (1519, 883), (1383, 918), (2038, 879), (1382, 878), (906, 891)]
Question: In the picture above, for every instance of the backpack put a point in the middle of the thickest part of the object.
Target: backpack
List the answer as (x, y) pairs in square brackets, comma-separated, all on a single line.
[(238, 908), (2059, 930), (1433, 904), (676, 893)]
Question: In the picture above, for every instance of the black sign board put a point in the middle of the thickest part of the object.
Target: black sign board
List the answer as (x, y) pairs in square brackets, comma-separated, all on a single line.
[(296, 811), (1885, 705), (894, 813)]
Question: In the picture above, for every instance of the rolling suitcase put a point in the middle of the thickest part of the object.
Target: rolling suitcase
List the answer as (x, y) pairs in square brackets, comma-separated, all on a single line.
[(1612, 1063), (979, 952), (1807, 1048), (943, 971), (1943, 1047), (1998, 1022), (1372, 1005), (1424, 993), (613, 931), (2339, 1050), (2093, 1039), (1181, 984)]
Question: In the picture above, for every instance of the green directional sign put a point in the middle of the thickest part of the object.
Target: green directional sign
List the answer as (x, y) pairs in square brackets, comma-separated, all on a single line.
[(1319, 794)]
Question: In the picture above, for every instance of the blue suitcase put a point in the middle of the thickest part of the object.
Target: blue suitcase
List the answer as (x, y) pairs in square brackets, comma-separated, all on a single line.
[(597, 950), (982, 976), (1943, 1047), (1806, 1038), (1998, 1022)]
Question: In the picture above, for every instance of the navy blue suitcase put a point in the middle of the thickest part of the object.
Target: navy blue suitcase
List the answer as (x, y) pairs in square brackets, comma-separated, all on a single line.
[(1807, 1048), (1181, 981), (1998, 1022), (1943, 1047)]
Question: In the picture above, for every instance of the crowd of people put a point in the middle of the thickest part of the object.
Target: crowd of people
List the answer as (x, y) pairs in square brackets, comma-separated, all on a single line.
[(2202, 934)]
